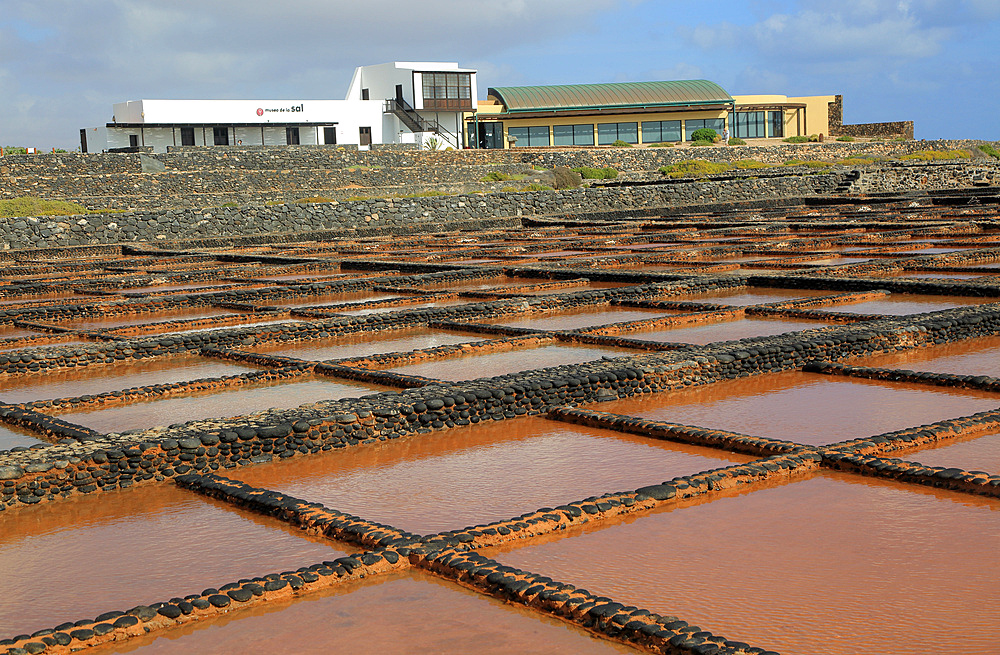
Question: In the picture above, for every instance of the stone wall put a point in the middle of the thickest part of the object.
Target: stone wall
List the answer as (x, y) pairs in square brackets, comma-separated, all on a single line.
[(890, 130), (210, 177)]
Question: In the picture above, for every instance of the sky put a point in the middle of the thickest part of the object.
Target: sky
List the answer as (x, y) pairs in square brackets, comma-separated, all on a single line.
[(63, 63)]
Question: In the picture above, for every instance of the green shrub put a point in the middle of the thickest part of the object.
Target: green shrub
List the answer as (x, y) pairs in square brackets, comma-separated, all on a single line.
[(495, 176), (704, 134), (812, 163), (935, 155), (845, 138), (34, 206), (744, 164), (899, 138), (989, 150), (735, 141), (796, 139), (858, 161), (813, 138), (702, 142), (621, 144), (664, 144), (589, 173), (15, 150), (229, 204), (694, 168)]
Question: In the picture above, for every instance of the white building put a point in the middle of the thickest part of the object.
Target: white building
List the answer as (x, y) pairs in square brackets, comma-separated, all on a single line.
[(399, 102)]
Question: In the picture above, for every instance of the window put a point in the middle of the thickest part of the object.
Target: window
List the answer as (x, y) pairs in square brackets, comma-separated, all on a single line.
[(187, 136), (693, 124), (292, 136), (608, 133), (529, 136), (449, 91), (364, 94), (221, 136), (133, 140), (776, 124), (748, 124), (661, 131), (573, 135), (329, 135)]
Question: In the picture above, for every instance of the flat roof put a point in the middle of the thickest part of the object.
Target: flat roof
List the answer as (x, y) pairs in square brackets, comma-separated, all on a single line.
[(565, 97), (225, 124)]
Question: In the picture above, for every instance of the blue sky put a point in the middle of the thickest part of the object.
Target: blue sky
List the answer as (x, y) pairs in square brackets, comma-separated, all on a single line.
[(63, 63)]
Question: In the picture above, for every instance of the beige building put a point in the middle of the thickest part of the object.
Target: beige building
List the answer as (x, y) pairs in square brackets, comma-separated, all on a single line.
[(636, 113)]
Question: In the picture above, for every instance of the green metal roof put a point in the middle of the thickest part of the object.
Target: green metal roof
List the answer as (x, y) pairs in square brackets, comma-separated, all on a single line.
[(621, 94)]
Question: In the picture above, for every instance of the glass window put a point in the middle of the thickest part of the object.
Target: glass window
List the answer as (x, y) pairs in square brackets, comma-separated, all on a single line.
[(660, 131), (573, 135), (187, 136), (529, 136), (583, 135), (220, 136), (748, 124), (776, 127), (692, 125), (608, 133)]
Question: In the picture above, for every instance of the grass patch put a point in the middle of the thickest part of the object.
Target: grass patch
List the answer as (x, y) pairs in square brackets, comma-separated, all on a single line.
[(228, 205), (664, 144), (796, 139), (936, 155), (858, 161), (702, 142), (496, 176), (989, 150), (845, 138), (621, 144), (736, 141), (531, 187), (588, 173), (694, 168), (423, 194), (34, 206), (745, 164)]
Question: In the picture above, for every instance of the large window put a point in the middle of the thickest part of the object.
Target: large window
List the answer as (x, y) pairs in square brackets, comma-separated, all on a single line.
[(528, 136), (447, 91), (573, 135), (776, 124), (608, 133), (660, 131), (748, 124), (329, 135), (187, 136), (691, 125)]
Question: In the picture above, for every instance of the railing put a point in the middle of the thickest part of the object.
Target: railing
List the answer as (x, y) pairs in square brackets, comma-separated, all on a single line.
[(414, 121)]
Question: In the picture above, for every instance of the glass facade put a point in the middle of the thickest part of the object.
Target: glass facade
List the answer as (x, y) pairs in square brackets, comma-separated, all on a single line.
[(691, 125), (529, 136), (451, 91), (573, 135), (776, 124), (660, 131), (748, 124), (608, 133)]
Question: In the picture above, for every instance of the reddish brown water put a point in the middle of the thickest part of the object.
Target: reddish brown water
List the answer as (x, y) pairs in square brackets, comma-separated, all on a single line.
[(836, 261), (487, 365), (581, 318), (590, 286), (465, 476), (726, 331), (369, 343), (231, 402), (755, 296), (11, 332), (110, 377), (151, 290), (497, 282), (401, 613), (143, 319), (902, 304), (971, 357), (935, 275), (11, 437), (807, 408), (43, 346), (980, 453), (13, 300), (834, 565), (79, 557), (328, 299), (246, 323)]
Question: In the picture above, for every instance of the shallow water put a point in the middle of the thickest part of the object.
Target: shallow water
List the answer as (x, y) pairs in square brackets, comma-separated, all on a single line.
[(218, 404), (581, 318), (11, 437), (101, 378), (725, 331), (832, 564), (753, 296), (970, 357), (902, 304), (141, 319), (80, 557), (807, 408), (368, 343), (979, 453), (481, 473), (401, 613), (474, 366)]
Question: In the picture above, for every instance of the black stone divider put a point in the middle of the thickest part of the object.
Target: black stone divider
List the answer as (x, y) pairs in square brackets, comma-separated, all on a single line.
[(698, 436), (484, 328), (813, 314), (385, 378), (846, 283), (612, 341), (311, 517), (980, 382), (49, 427), (978, 483), (600, 615), (401, 302)]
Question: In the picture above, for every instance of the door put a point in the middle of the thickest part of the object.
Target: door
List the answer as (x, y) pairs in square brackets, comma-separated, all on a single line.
[(330, 135), (491, 135), (187, 136), (399, 92), (83, 140), (366, 136), (133, 141), (221, 136), (292, 136)]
